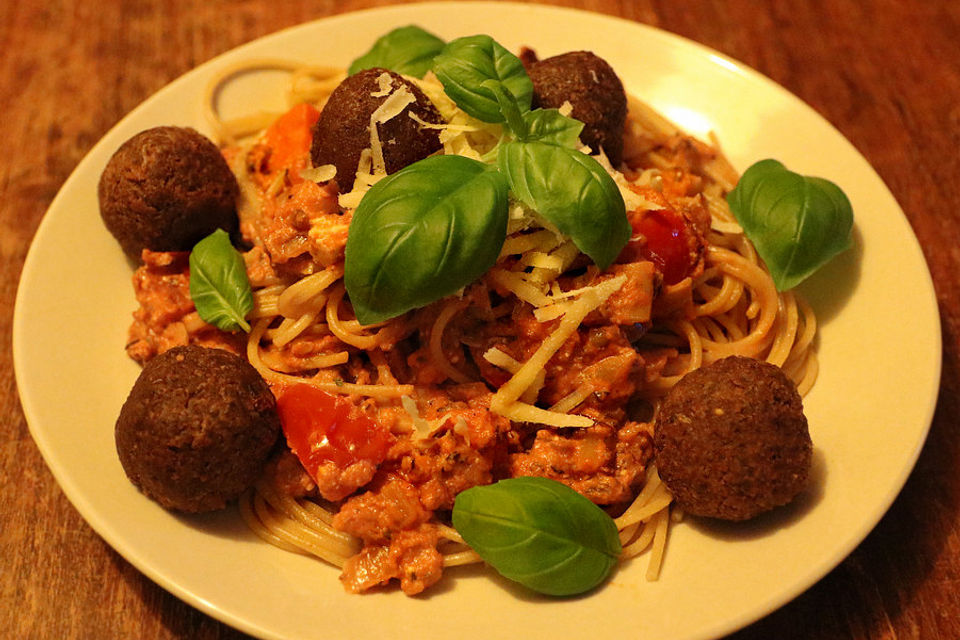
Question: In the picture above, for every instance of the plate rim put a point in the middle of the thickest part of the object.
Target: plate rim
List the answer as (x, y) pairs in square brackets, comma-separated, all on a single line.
[(83, 504)]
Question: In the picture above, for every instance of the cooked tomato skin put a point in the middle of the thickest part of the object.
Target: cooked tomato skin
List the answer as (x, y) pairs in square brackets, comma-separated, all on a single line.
[(660, 236), (289, 140), (322, 427)]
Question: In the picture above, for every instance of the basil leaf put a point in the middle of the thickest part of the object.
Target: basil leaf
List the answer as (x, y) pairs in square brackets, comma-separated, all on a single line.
[(545, 125), (510, 109), (464, 65), (539, 533), (548, 125), (572, 191), (797, 223), (408, 50), (423, 233), (219, 285)]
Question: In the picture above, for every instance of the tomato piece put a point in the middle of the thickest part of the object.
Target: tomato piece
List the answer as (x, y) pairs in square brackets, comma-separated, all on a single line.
[(289, 139), (321, 428), (660, 236)]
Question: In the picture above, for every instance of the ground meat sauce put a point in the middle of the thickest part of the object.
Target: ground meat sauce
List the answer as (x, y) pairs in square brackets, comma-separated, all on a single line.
[(603, 463), (399, 542), (453, 460), (166, 316), (389, 482), (305, 228)]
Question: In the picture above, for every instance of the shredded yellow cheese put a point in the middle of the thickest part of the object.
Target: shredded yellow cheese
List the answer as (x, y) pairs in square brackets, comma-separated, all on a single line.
[(390, 108), (506, 400), (323, 173), (385, 83), (515, 283)]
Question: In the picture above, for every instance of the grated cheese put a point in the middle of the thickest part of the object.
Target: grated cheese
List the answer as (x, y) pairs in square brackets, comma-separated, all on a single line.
[(498, 358), (323, 173), (573, 399), (543, 240), (506, 400), (462, 135), (523, 412), (515, 283), (461, 429), (550, 312), (541, 260), (725, 227), (505, 361), (390, 108), (385, 83), (421, 427), (362, 183)]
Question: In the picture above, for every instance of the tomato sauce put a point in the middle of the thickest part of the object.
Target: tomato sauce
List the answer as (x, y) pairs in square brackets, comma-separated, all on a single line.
[(390, 477), (166, 316)]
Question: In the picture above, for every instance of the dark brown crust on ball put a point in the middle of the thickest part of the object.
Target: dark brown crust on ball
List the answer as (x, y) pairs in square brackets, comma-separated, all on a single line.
[(197, 428), (731, 440), (165, 189), (343, 130), (593, 89)]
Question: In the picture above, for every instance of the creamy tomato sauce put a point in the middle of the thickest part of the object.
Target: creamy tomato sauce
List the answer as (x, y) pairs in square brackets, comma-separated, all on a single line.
[(391, 484)]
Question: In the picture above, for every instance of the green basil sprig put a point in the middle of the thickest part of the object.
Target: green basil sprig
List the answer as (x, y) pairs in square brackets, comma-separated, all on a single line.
[(464, 65), (797, 223), (423, 233), (544, 170), (409, 50), (548, 125), (571, 190), (539, 533), (219, 285), (543, 125), (435, 226)]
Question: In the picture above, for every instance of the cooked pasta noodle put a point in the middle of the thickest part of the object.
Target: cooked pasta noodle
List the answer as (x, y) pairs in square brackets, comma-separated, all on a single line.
[(729, 307)]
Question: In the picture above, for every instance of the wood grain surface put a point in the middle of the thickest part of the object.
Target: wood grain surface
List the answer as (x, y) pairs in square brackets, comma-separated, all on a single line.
[(886, 73)]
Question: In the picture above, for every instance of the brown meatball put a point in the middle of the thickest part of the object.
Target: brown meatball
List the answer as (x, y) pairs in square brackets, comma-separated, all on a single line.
[(197, 428), (165, 189), (343, 130), (731, 440), (592, 87)]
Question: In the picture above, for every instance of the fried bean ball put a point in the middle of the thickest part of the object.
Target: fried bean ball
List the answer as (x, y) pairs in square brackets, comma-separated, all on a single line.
[(731, 440), (343, 130), (197, 428), (593, 89), (165, 189)]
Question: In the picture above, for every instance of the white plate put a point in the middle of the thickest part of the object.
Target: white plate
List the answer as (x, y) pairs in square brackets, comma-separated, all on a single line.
[(869, 412)]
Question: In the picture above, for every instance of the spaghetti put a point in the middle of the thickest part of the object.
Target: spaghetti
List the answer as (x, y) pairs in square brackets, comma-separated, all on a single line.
[(569, 351)]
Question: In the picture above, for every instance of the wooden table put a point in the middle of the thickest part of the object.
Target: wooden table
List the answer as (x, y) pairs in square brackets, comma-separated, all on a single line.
[(885, 72)]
